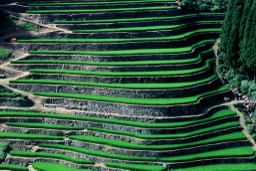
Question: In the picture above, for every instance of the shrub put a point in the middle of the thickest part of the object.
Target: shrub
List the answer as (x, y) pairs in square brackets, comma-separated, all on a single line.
[(28, 26)]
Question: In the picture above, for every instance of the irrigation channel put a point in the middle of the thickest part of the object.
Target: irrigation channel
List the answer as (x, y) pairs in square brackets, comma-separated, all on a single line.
[(119, 85)]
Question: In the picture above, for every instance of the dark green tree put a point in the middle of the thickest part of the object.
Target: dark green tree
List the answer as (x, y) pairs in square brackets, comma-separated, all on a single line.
[(226, 28), (233, 38)]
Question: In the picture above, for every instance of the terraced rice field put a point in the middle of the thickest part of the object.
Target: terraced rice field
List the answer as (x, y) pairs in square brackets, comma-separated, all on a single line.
[(132, 86)]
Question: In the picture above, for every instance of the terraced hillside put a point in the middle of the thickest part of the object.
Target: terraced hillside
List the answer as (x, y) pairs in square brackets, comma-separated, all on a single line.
[(122, 85)]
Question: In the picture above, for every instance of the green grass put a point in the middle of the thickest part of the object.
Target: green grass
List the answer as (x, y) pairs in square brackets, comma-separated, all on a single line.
[(221, 167), (3, 147), (11, 135), (126, 63), (168, 136), (43, 125), (6, 93), (126, 145), (144, 28), (227, 152), (139, 101), (49, 155), (96, 3), (133, 19), (126, 52), (177, 37), (13, 167), (43, 166), (118, 85), (217, 115), (100, 10), (137, 167), (129, 73)]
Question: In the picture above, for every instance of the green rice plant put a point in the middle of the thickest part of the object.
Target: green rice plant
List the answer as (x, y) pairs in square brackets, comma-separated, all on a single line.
[(122, 63), (144, 28), (43, 166), (168, 136), (217, 115), (126, 145), (28, 26), (120, 85), (13, 167), (126, 52), (95, 3), (4, 54), (137, 167), (43, 125), (49, 155), (221, 167), (133, 19), (139, 101), (177, 37), (227, 152), (99, 10), (11, 135), (130, 73), (3, 147)]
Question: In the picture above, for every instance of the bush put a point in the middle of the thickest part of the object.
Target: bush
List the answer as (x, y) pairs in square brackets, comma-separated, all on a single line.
[(28, 26), (245, 84), (250, 128)]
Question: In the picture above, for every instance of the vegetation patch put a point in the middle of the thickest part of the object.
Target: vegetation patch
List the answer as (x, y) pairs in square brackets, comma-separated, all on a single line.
[(3, 147), (28, 26), (5, 54)]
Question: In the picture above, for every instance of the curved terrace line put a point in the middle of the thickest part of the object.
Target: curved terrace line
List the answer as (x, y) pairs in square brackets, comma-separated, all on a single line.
[(132, 19), (100, 10), (229, 152), (217, 115), (144, 28), (118, 85), (114, 40), (138, 101), (132, 146), (97, 2), (126, 52), (168, 136), (131, 74)]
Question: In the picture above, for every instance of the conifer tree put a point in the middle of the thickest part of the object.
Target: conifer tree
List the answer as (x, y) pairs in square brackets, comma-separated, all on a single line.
[(226, 28), (233, 38)]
